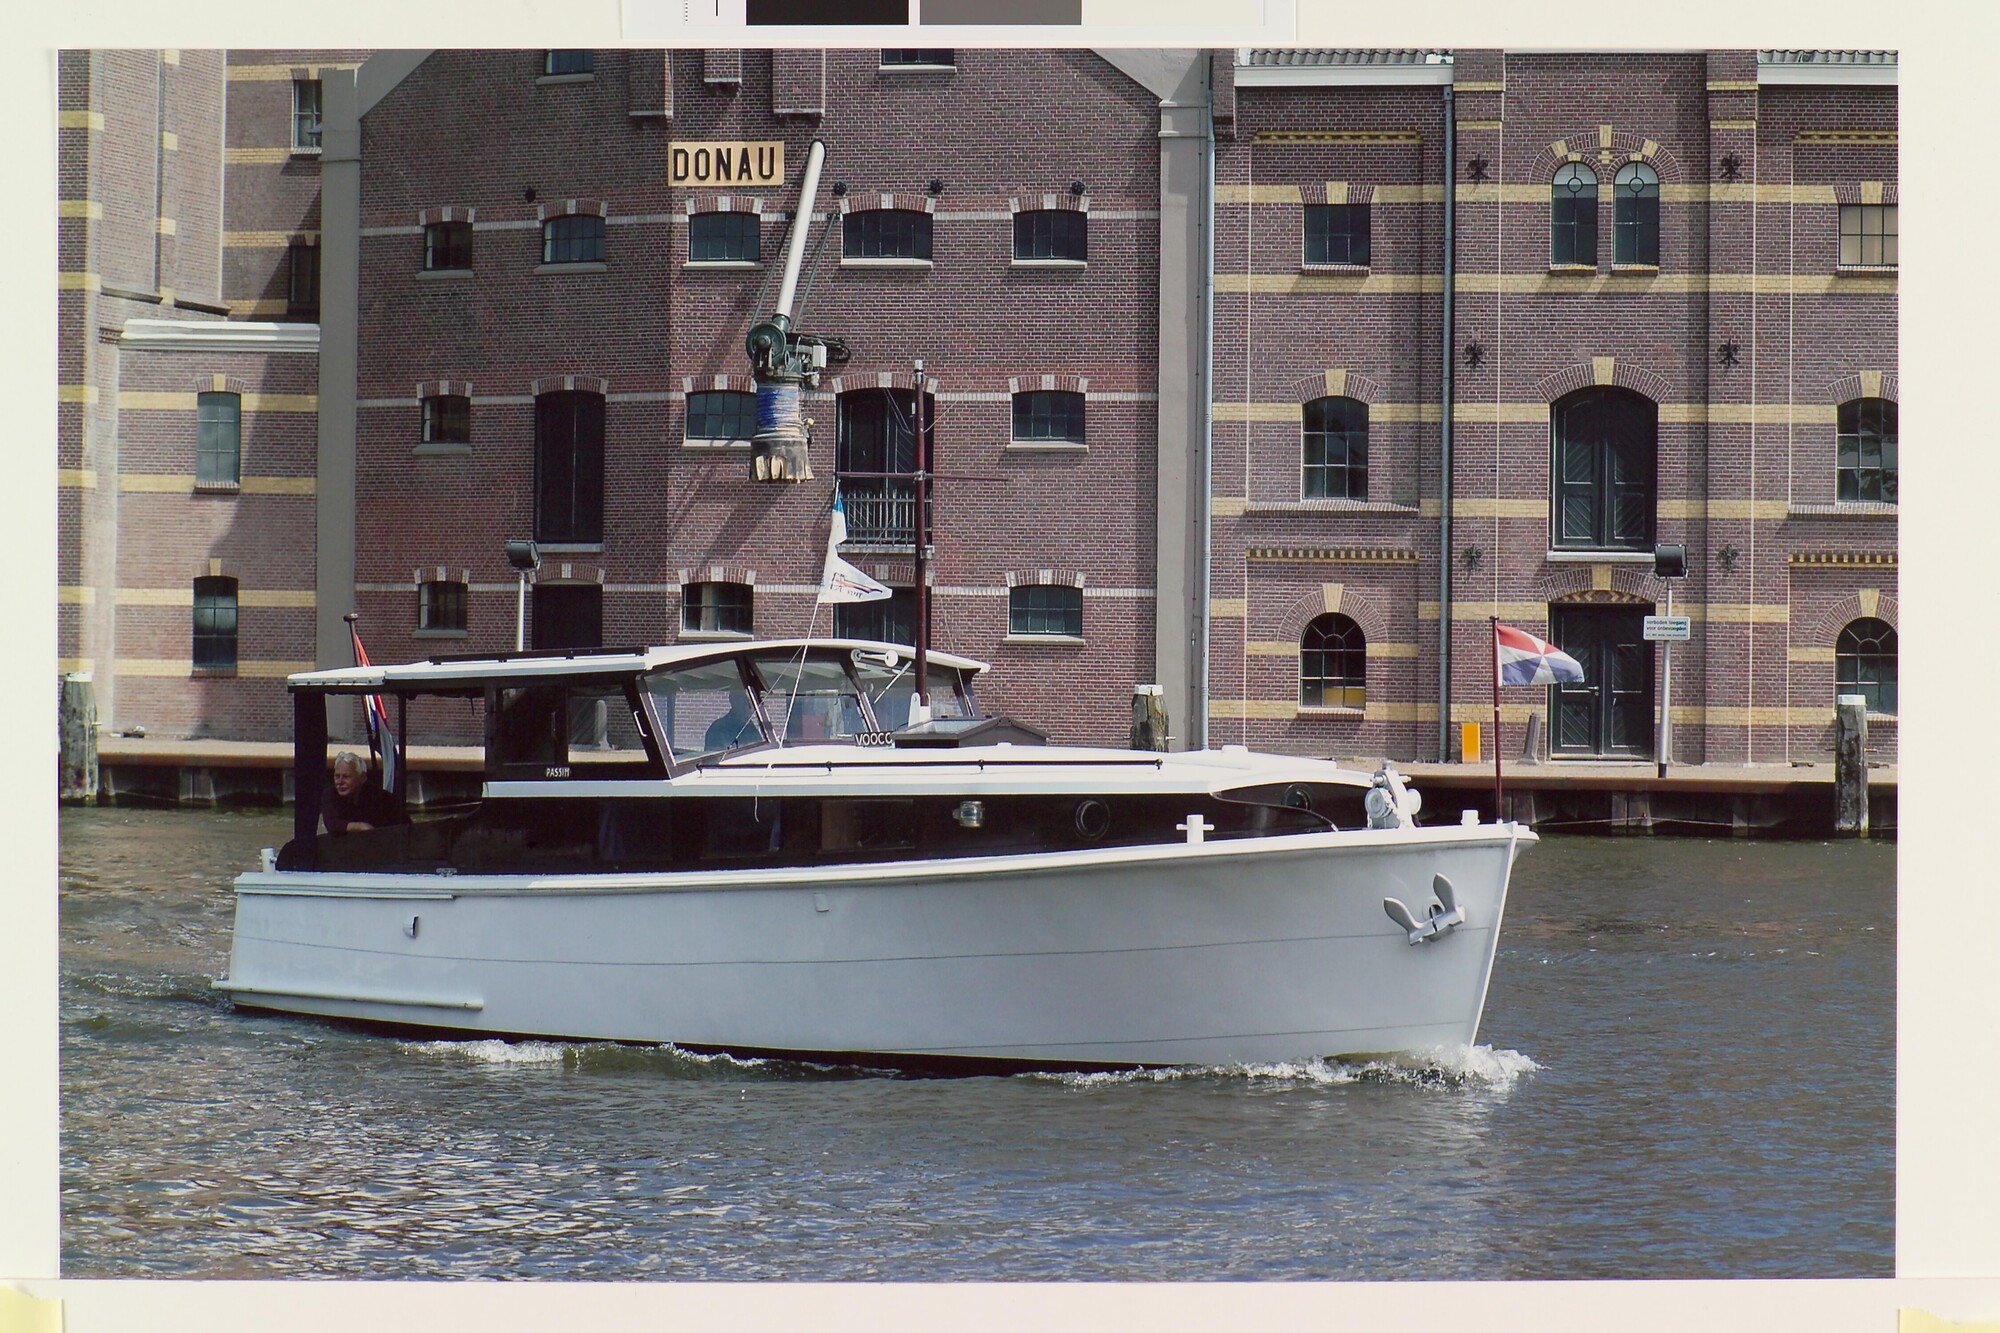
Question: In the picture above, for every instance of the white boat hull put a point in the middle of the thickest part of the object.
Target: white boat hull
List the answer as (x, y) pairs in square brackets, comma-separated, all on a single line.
[(1244, 951)]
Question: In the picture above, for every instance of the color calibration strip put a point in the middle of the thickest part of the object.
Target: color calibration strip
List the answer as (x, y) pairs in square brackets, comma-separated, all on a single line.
[(1083, 22)]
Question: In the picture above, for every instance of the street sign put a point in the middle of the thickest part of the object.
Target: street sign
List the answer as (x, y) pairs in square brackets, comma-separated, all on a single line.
[(1668, 629)]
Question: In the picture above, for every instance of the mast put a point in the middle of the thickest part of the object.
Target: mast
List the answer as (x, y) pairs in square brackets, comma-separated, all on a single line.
[(920, 705)]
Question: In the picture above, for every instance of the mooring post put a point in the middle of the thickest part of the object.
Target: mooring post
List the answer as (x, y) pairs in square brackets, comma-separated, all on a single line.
[(1850, 766), (1149, 717), (76, 716)]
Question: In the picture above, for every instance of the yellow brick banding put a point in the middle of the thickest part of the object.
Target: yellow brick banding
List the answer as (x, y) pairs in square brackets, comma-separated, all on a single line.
[(147, 400), (79, 208), (76, 594), (1228, 608), (76, 479), (79, 120)]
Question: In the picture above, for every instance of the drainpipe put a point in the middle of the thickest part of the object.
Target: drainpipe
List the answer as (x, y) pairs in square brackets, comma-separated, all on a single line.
[(1198, 732), (1444, 430)]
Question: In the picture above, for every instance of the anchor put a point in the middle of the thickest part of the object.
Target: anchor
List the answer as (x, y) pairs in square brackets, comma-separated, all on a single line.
[(1445, 914)]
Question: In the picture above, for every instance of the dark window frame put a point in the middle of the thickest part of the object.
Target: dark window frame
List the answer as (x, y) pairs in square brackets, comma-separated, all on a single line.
[(1052, 235), (447, 419), (890, 619), (1605, 474), (215, 624), (1050, 416), (308, 101), (1333, 663), (709, 416), (447, 246), (1339, 234), (1865, 663), (573, 238), (1573, 216), (873, 434), (720, 236), (559, 64), (569, 467), (218, 439), (441, 605), (1045, 610), (1865, 452), (886, 233), (302, 280), (718, 606), (1868, 236), (1333, 449), (919, 57), (1635, 214), (580, 600)]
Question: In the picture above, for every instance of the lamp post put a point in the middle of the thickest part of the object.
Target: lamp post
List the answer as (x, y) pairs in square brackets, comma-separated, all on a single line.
[(1669, 563), (523, 556)]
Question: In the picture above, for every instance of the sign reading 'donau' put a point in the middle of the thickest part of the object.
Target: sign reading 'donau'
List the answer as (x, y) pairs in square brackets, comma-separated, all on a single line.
[(732, 162)]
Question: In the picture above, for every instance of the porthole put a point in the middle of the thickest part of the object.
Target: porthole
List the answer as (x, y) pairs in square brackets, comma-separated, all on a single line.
[(1298, 798), (1093, 820)]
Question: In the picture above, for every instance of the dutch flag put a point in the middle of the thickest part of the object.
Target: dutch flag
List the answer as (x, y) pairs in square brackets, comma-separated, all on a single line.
[(1527, 660), (381, 741)]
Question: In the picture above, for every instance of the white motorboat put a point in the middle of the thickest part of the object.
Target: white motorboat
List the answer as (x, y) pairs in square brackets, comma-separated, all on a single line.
[(746, 847)]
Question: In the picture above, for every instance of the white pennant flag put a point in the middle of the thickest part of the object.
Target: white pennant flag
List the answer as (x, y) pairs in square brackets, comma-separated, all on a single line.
[(842, 582)]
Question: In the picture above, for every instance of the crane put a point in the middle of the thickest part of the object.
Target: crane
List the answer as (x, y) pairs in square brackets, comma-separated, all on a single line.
[(784, 362)]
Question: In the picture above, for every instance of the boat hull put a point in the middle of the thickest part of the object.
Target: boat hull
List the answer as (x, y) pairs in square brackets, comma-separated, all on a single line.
[(1247, 951)]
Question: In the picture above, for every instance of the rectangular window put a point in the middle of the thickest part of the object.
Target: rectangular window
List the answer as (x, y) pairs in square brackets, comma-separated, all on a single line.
[(447, 245), (1051, 233), (1050, 415), (1868, 235), (716, 608), (215, 624), (1045, 608), (569, 62), (886, 233), (724, 238), (569, 470), (218, 459), (302, 281), (568, 615), (577, 238), (890, 620), (305, 113), (927, 57), (721, 415), (441, 605), (448, 419), (1337, 234)]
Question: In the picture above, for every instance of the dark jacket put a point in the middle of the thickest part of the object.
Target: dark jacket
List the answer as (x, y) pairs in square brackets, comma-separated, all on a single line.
[(369, 805)]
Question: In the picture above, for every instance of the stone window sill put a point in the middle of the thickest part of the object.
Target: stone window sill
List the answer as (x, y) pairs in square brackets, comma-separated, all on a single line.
[(565, 78), (218, 488), (213, 673), (713, 636), (846, 262), (698, 442), (1327, 506), (1851, 509), (1572, 270), (1048, 447), (1055, 640), (723, 265), (586, 266), (1355, 270), (442, 449), (1330, 711), (305, 150), (1637, 270), (916, 69), (1572, 557), (442, 274), (443, 634), (570, 548), (1865, 270), (1052, 265)]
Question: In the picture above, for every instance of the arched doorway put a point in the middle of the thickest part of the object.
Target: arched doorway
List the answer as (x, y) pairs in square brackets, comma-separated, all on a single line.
[(1609, 713)]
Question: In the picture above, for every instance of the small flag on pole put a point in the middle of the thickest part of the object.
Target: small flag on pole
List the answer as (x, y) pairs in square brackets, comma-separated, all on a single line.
[(841, 581), (381, 741), (1523, 659)]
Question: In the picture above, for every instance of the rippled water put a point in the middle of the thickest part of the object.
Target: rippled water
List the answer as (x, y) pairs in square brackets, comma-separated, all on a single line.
[(1687, 1071)]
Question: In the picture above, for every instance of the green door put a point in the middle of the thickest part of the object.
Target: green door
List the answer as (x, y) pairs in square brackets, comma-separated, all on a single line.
[(1609, 712)]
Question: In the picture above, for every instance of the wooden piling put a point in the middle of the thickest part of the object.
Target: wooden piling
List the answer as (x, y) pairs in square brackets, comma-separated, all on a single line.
[(1850, 766), (1149, 717), (76, 719)]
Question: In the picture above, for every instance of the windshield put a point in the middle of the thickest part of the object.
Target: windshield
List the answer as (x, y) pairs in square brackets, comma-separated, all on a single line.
[(890, 689), (809, 700), (704, 709)]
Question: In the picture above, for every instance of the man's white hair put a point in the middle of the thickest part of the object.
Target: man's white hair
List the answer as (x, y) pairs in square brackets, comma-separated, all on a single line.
[(359, 761)]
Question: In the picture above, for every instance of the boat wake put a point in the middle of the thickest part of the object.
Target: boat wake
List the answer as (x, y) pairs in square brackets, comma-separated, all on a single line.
[(1476, 1068), (609, 1057)]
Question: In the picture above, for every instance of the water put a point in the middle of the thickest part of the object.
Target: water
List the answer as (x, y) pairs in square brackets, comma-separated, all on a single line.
[(1687, 1071)]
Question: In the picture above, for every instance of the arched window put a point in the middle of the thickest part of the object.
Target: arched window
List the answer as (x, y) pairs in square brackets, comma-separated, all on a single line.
[(1864, 663), (1573, 216), (1866, 461), (1606, 475), (215, 623), (1636, 215), (1336, 449), (574, 238), (1333, 663)]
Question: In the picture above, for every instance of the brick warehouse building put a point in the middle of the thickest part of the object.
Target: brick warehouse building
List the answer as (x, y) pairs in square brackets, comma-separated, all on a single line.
[(1699, 355), (188, 382)]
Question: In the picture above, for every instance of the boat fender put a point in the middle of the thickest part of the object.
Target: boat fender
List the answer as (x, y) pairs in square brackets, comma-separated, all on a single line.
[(1445, 914)]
